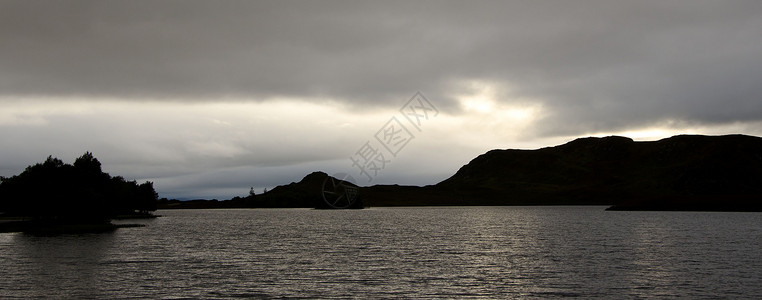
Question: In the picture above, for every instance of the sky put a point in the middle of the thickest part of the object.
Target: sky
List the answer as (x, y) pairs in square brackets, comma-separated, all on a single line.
[(210, 98)]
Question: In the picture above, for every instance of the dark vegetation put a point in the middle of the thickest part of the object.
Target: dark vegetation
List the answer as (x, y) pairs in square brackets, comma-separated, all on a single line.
[(57, 194)]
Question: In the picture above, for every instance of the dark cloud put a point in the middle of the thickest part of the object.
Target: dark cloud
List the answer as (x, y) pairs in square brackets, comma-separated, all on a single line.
[(593, 65)]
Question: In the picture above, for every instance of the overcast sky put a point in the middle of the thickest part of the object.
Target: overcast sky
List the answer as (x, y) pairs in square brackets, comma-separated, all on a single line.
[(209, 98)]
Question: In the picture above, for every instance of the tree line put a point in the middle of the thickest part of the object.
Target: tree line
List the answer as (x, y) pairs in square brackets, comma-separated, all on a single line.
[(82, 191)]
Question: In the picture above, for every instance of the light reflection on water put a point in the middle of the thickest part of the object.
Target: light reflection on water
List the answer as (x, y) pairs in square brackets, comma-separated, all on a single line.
[(445, 252)]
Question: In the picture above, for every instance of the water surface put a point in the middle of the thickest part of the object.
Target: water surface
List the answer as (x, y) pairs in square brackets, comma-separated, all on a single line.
[(423, 252)]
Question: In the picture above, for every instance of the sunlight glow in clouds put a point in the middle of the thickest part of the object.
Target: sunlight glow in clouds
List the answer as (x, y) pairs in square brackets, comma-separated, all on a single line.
[(495, 107), (183, 147), (669, 129), (204, 98), (220, 149), (478, 97)]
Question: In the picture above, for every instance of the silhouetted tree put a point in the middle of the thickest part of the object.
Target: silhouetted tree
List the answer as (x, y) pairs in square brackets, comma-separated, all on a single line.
[(88, 163), (55, 190), (146, 198)]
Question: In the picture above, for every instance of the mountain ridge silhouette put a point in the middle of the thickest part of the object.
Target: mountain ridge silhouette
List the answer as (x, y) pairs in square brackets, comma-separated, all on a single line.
[(683, 172)]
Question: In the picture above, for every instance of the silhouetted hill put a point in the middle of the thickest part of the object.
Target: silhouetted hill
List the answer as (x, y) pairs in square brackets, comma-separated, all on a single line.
[(687, 172), (307, 193)]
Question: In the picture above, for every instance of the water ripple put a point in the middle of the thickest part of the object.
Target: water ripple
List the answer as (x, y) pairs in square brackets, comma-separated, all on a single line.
[(475, 252)]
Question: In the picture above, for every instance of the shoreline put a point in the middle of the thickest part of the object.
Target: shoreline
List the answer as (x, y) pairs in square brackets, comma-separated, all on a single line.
[(52, 228)]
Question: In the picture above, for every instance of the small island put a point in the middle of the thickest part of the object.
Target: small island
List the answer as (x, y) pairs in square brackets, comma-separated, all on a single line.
[(55, 197)]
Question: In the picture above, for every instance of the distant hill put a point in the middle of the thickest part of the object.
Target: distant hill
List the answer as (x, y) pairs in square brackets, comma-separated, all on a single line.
[(307, 193), (686, 172)]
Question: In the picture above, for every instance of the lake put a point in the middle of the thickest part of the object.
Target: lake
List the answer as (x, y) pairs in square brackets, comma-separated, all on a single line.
[(419, 252)]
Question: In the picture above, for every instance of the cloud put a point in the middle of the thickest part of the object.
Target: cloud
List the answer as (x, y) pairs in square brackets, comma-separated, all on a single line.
[(188, 137), (199, 149), (191, 85), (591, 63)]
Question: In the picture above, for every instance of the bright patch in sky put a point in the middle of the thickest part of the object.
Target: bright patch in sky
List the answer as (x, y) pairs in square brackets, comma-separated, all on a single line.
[(208, 100), (220, 149), (479, 97)]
